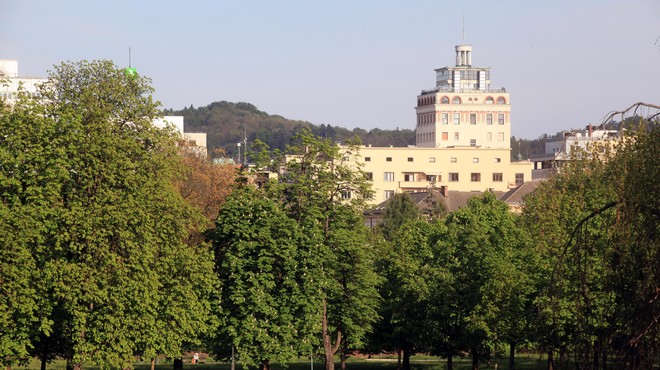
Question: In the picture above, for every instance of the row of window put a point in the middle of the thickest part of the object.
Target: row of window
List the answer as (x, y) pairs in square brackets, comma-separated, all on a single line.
[(432, 159), (430, 136), (452, 177), (430, 118), (429, 100)]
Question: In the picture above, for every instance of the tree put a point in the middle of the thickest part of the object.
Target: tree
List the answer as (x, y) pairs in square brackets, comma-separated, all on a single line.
[(98, 179), (325, 193), (19, 227), (264, 308), (477, 254), (406, 268), (400, 209), (204, 183)]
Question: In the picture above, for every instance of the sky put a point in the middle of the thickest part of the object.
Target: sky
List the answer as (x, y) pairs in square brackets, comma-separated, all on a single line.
[(356, 63)]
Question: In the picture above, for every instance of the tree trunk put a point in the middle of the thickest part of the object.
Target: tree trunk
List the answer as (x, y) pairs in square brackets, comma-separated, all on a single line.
[(551, 364), (475, 359), (450, 362), (398, 362), (43, 363), (153, 363), (406, 358), (344, 354), (328, 348), (512, 355), (265, 365)]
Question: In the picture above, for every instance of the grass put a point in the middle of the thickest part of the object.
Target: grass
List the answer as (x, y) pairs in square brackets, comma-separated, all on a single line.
[(523, 362)]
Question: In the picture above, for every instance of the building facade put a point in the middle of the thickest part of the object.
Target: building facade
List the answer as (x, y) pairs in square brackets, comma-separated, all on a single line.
[(463, 135), (463, 109), (11, 84)]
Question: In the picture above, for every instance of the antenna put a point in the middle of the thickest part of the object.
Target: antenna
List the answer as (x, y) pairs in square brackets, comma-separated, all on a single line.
[(463, 35)]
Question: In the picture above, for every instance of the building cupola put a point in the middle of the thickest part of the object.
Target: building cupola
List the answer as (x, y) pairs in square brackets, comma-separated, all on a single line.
[(463, 55)]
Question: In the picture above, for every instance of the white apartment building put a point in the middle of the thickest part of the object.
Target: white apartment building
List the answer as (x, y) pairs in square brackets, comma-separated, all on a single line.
[(11, 82), (463, 139)]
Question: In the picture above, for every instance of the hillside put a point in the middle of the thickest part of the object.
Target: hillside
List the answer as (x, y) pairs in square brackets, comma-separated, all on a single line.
[(226, 123)]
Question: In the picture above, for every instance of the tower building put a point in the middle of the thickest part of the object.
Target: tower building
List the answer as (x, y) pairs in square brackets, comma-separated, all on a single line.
[(463, 139), (463, 110)]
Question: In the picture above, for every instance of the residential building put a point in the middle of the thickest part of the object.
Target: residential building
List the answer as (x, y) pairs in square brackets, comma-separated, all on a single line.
[(196, 140), (11, 83), (564, 149)]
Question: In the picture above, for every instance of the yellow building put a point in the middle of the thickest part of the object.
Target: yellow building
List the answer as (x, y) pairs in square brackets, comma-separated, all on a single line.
[(463, 139)]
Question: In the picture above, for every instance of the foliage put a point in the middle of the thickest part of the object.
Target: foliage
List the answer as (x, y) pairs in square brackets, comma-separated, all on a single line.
[(263, 304), (478, 279), (400, 209), (596, 224), (90, 181), (204, 183)]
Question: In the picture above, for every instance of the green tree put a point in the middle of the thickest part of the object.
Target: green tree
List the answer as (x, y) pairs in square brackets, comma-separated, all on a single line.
[(325, 193), (477, 259), (98, 179), (264, 308), (400, 209), (20, 225)]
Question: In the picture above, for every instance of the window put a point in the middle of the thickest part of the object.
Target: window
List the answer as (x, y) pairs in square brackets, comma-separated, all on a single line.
[(367, 159), (388, 159), (498, 160), (369, 176), (489, 118), (520, 178), (389, 176), (500, 136), (475, 160), (456, 100), (489, 136), (489, 100), (345, 195), (410, 159), (500, 119), (501, 100), (408, 177), (456, 136), (497, 177), (389, 194), (444, 100), (445, 118), (473, 142), (475, 177), (453, 176), (473, 118), (453, 160), (445, 136), (457, 118), (431, 159), (431, 178)]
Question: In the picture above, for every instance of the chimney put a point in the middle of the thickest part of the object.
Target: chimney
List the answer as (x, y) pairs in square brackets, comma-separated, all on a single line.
[(590, 128)]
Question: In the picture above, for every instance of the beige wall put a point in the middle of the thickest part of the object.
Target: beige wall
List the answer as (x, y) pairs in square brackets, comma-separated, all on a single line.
[(432, 131), (408, 169)]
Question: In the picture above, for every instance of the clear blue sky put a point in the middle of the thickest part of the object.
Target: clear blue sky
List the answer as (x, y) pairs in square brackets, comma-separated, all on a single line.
[(356, 63)]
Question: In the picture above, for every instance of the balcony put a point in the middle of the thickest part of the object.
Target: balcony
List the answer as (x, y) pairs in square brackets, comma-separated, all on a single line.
[(408, 185)]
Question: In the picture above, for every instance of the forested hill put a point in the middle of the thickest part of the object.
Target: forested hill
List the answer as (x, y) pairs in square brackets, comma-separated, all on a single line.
[(226, 123)]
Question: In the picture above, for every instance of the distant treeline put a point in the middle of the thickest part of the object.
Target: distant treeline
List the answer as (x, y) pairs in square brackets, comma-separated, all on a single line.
[(227, 124)]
